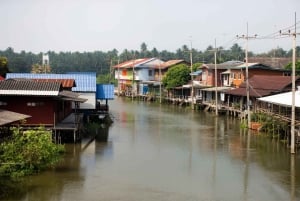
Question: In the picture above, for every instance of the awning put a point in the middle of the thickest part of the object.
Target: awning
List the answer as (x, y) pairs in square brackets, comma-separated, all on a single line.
[(7, 117), (226, 72), (217, 88), (71, 96)]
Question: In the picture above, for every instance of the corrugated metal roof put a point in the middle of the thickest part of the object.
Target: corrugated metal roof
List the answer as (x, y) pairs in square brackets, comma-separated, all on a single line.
[(170, 63), (66, 83), (29, 87), (254, 66), (273, 82), (71, 96), (283, 99), (263, 85), (85, 81), (7, 117), (252, 92), (225, 65), (133, 62)]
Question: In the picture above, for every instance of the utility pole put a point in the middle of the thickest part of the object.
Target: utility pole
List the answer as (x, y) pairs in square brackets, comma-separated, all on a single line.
[(132, 78), (293, 86), (118, 76), (159, 80), (216, 80), (247, 37), (192, 78)]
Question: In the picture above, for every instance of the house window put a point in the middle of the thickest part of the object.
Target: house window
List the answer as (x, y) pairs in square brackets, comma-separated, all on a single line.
[(35, 104), (150, 73), (3, 103)]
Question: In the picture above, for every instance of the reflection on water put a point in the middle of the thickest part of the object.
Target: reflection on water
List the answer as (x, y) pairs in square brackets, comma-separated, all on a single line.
[(168, 153)]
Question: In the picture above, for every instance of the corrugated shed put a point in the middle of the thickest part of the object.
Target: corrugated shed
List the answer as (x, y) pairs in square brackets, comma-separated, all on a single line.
[(105, 91), (29, 87), (85, 82)]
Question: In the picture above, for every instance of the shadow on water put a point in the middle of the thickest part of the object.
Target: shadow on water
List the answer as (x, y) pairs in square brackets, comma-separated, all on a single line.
[(50, 184)]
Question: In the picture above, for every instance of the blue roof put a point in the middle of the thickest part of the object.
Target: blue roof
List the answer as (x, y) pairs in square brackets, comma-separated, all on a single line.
[(85, 81)]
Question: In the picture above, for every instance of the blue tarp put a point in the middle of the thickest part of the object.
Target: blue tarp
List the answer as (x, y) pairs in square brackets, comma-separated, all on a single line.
[(105, 92)]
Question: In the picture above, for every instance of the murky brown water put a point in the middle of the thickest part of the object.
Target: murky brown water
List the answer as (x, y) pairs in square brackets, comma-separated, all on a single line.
[(158, 153)]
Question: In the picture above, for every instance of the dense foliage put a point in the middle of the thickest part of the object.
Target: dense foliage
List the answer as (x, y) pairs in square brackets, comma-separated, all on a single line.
[(28, 152), (177, 76), (290, 65), (101, 62)]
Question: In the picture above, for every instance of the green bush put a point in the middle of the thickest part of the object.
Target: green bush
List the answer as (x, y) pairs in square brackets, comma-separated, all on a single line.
[(28, 152)]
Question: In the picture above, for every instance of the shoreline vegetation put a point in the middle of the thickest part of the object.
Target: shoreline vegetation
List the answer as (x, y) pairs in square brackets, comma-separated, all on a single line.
[(28, 152)]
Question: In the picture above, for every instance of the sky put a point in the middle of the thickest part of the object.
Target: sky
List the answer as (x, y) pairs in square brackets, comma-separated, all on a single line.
[(102, 25)]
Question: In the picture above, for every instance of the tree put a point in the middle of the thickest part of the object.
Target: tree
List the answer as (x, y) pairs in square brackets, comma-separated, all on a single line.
[(28, 152), (290, 65), (237, 52), (3, 66), (143, 47), (278, 52), (176, 76), (154, 52)]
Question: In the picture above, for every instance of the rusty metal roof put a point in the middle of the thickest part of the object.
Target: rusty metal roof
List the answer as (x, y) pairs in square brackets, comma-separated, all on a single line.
[(263, 85), (71, 96), (7, 117), (275, 62), (29, 87), (66, 83), (133, 62), (171, 63)]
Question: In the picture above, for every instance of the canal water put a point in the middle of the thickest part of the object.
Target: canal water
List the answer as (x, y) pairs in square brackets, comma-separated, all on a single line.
[(167, 153)]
